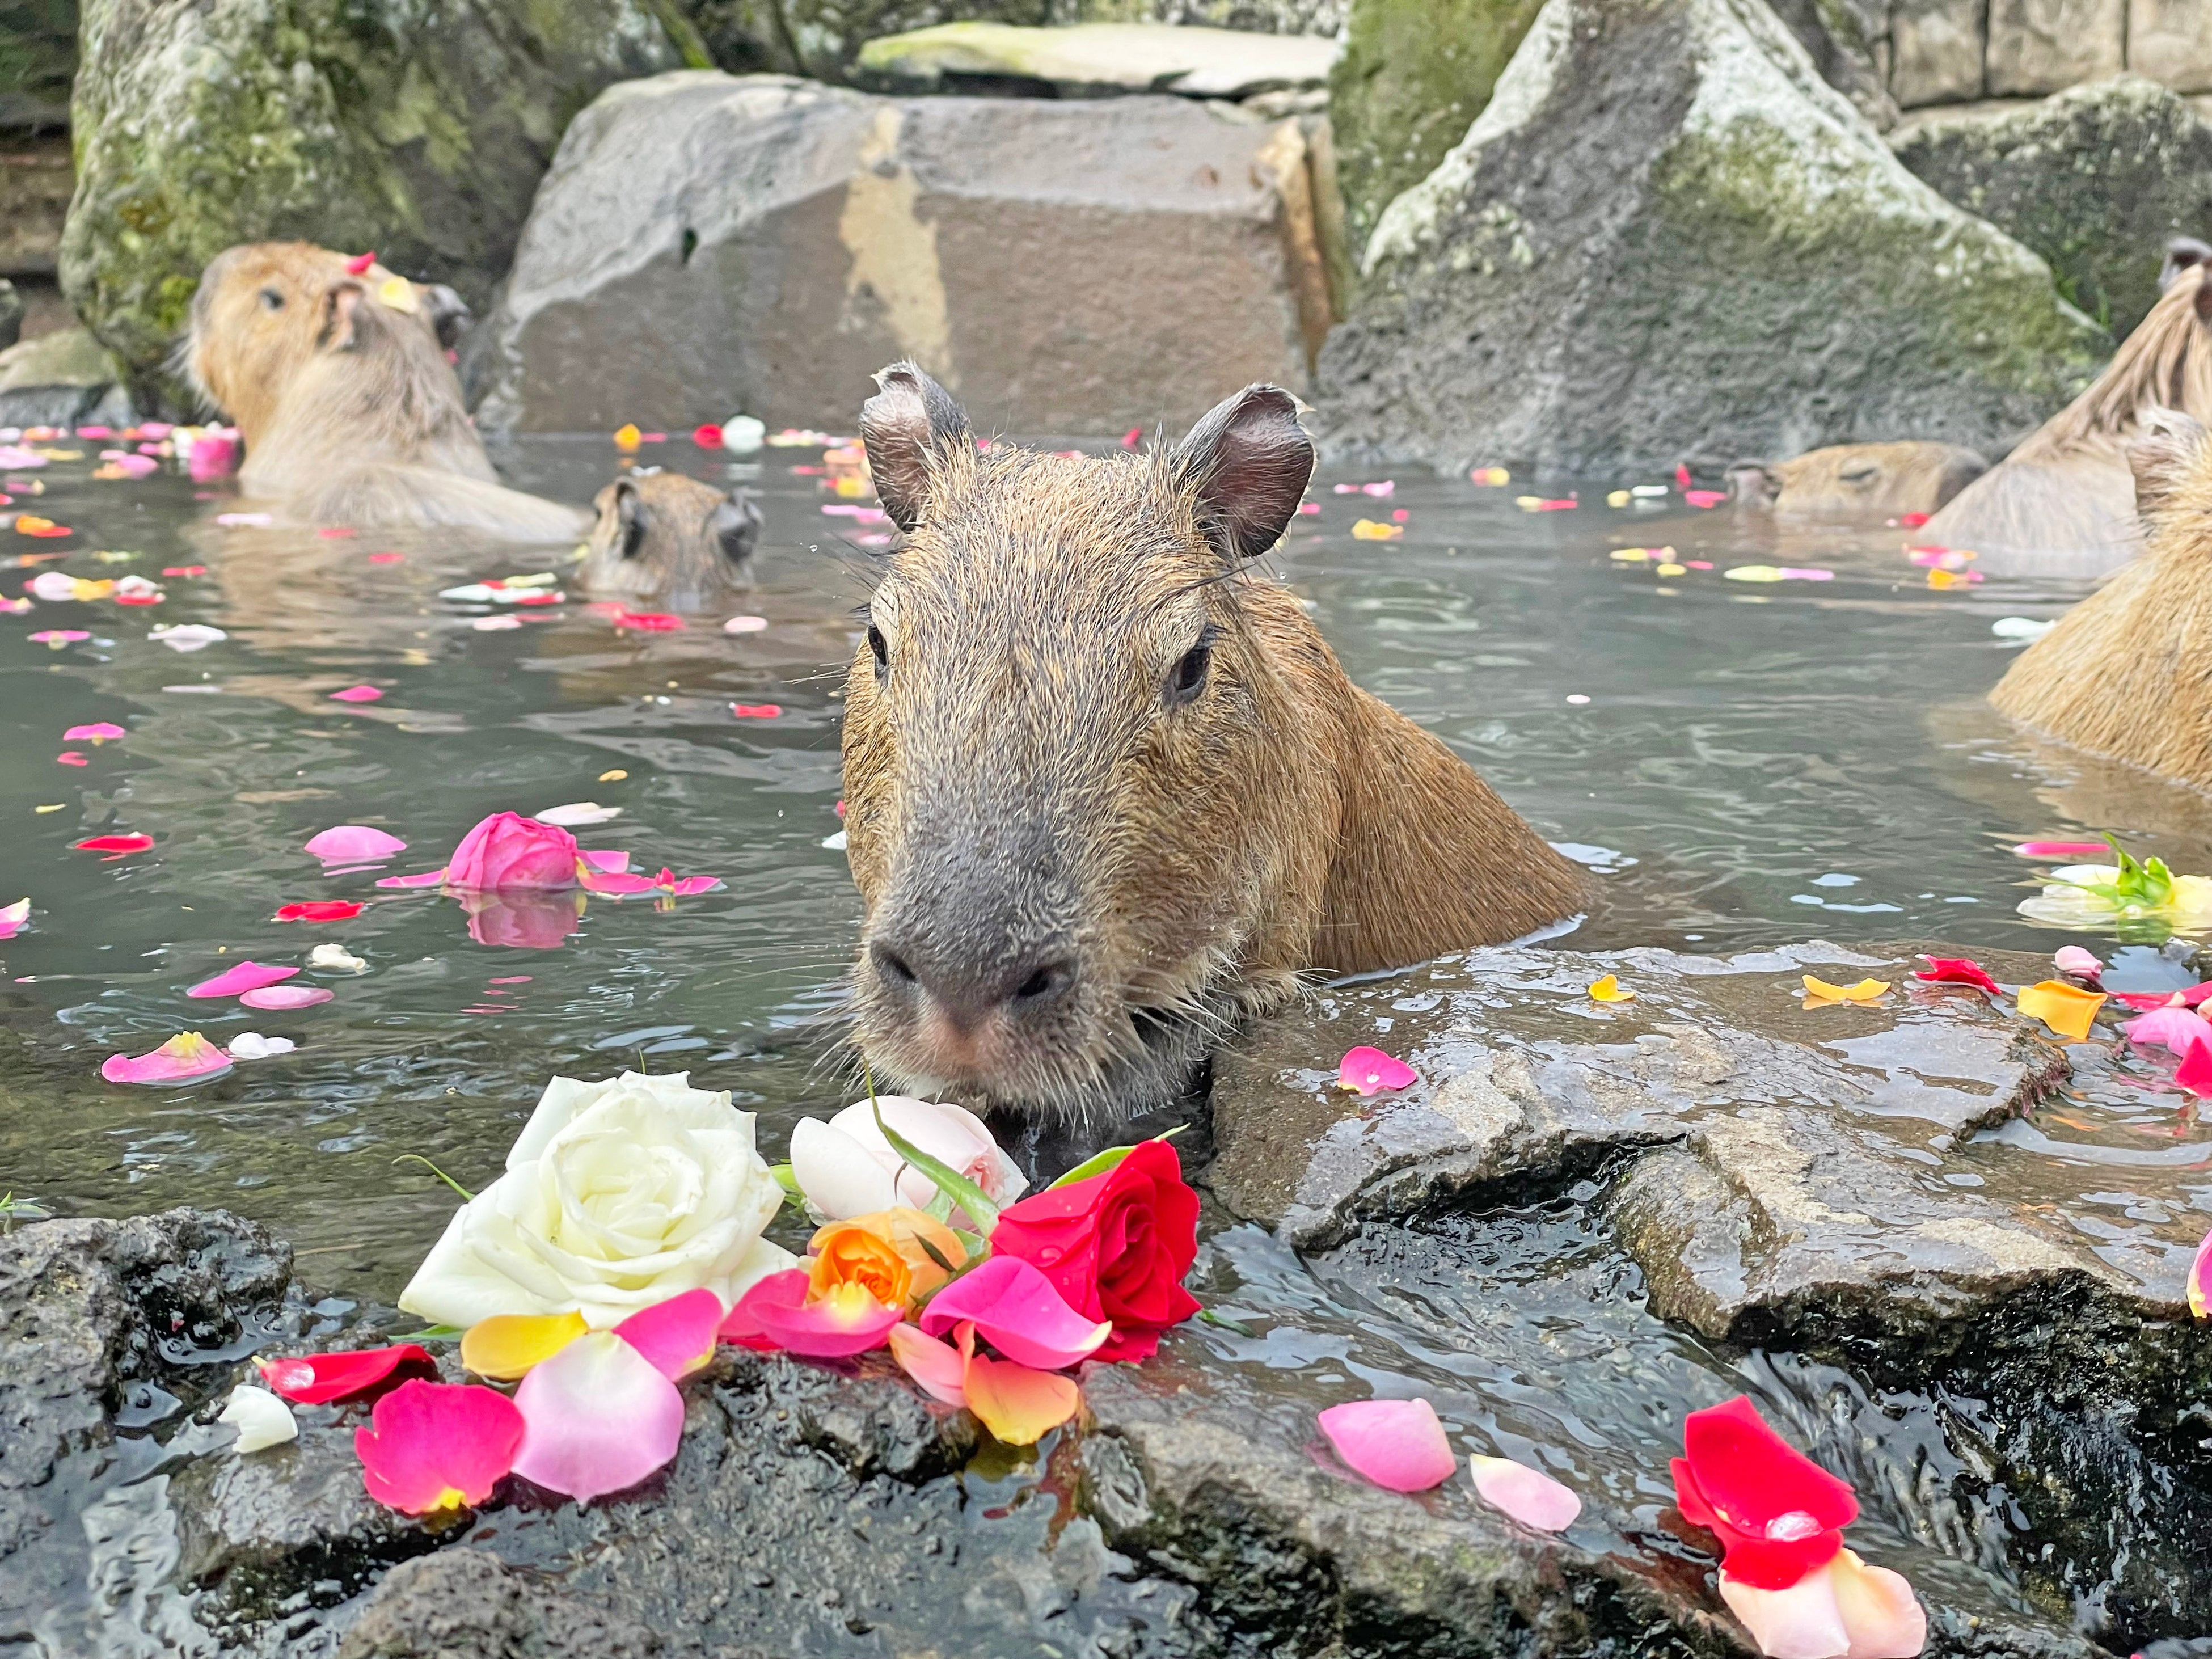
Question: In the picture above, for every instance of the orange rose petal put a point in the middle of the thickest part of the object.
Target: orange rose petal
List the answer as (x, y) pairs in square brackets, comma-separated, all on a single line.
[(1019, 1406), (905, 1231), (506, 1346), (2067, 1010), (1867, 990), (1608, 990)]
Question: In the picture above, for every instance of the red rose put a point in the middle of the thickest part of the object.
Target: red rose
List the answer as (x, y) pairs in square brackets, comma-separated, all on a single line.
[(1116, 1247)]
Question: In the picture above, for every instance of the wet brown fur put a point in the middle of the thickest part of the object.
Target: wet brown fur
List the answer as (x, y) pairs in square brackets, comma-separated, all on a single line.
[(666, 536), (1018, 774), (349, 412), (1860, 480), (2063, 503), (2127, 673)]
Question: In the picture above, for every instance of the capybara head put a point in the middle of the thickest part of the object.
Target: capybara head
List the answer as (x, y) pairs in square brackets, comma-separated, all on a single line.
[(266, 311), (1072, 765), (670, 536), (1858, 480)]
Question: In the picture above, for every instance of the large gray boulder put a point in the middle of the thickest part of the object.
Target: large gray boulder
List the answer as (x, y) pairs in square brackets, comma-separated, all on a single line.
[(2095, 179), (1667, 238), (355, 125), (63, 379), (706, 244)]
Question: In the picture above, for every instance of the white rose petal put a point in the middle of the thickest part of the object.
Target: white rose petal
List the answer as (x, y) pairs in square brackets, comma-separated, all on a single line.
[(261, 1418), (577, 813), (336, 958), (188, 636), (618, 1195), (847, 1168), (251, 1045)]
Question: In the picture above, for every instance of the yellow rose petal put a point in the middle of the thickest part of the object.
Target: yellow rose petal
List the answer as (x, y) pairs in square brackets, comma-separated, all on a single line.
[(1867, 990), (506, 1346), (2067, 1010), (1608, 990), (615, 776), (627, 436), (399, 293), (1617, 498), (1372, 530), (1629, 555), (1019, 1406), (1673, 569)]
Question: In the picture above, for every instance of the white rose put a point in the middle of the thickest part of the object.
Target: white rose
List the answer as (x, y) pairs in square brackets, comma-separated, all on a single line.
[(617, 1195), (846, 1167)]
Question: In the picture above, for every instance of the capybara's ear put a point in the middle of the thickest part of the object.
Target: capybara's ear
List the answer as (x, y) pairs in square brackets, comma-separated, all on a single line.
[(1248, 461), (735, 523), (629, 517), (450, 315), (2160, 452), (909, 419), (1753, 483), (2182, 253), (341, 329)]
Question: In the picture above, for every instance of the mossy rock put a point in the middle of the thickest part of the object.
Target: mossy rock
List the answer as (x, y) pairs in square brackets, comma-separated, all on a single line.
[(38, 59), (349, 123), (1667, 238), (2095, 179)]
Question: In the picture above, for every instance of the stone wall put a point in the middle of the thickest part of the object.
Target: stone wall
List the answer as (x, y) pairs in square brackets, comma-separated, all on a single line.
[(1946, 52)]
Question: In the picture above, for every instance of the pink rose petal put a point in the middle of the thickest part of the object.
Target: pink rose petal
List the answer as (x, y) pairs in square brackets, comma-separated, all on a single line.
[(427, 879), (2195, 1072), (13, 916), (614, 884), (2178, 1029), (2200, 1281), (836, 1328), (99, 731), (286, 996), (610, 862), (936, 1367), (1529, 1496), (678, 1335), (1370, 1071), (2074, 960), (1016, 1309), (1396, 1444), (435, 1446), (349, 844), (72, 758), (598, 1417), (183, 1057), (357, 694), (2064, 849), (236, 981)]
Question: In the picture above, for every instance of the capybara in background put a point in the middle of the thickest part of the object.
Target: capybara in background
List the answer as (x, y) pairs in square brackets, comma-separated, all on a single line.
[(2063, 503), (1858, 480), (663, 535), (340, 387), (1108, 790), (2123, 673)]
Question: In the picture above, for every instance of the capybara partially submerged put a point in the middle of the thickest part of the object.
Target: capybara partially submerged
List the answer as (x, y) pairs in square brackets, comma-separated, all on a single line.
[(2063, 503), (1108, 790), (1853, 481), (666, 536), (2123, 673), (339, 385)]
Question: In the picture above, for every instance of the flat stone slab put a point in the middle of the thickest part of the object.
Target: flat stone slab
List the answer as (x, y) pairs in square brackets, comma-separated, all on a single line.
[(1089, 60)]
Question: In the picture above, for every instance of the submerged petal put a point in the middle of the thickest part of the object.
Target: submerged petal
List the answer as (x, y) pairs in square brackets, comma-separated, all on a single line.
[(184, 1056), (437, 1446), (507, 1345), (1396, 1444), (1018, 1404), (676, 1336), (2067, 1010), (348, 843), (316, 1379), (1529, 1496), (285, 996), (1015, 1309), (598, 1417), (1370, 1071), (236, 981)]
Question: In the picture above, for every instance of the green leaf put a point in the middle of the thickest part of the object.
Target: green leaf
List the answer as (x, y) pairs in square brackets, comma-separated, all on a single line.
[(950, 1183), (1111, 1157), (417, 1158), (935, 1254), (1225, 1322), (433, 1333), (789, 1181)]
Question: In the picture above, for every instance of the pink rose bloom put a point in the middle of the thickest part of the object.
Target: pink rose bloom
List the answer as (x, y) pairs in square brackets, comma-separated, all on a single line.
[(508, 850)]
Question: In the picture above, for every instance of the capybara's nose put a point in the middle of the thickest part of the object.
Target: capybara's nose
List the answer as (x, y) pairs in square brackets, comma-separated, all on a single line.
[(1020, 983)]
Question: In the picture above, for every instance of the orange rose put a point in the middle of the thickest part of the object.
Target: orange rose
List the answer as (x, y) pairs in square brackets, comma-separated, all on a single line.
[(849, 1256), (898, 1246)]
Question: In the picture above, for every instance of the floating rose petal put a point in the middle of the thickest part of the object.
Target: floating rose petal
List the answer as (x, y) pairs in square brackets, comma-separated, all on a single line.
[(188, 636), (251, 1045), (2143, 1002), (2195, 1072), (1779, 1515), (2073, 960), (1819, 993), (261, 1418), (648, 621), (1529, 1496), (1370, 1071), (353, 843), (1958, 970), (433, 1446), (2200, 1280), (357, 694), (744, 625), (1373, 529), (756, 711), (2178, 1029), (285, 997), (99, 731), (184, 570), (72, 758), (506, 1346), (1608, 990), (316, 1379), (617, 885), (707, 436), (578, 812), (1396, 1444), (320, 910), (495, 624), (244, 521), (1705, 498), (118, 846), (2063, 849), (13, 916), (677, 1337), (239, 980), (2067, 1010), (847, 1321), (1016, 1309), (58, 637), (185, 1056), (598, 1418), (387, 558)]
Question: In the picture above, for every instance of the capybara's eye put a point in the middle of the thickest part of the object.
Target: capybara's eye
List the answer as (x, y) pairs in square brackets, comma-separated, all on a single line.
[(1190, 673), (882, 651), (273, 299)]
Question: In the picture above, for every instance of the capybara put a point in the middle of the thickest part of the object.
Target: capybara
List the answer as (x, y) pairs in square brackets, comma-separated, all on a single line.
[(1107, 791), (1850, 480), (2063, 503), (2122, 675), (666, 536), (339, 385)]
